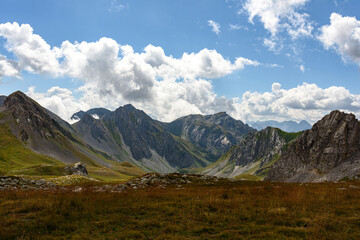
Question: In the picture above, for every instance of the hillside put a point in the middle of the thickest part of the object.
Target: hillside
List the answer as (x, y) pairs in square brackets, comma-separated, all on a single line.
[(34, 143), (254, 156)]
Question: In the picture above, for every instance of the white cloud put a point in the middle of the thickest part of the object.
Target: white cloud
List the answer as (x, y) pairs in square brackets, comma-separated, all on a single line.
[(236, 27), (215, 26), (33, 53), (8, 68), (302, 68), (114, 75), (116, 6), (343, 35), (161, 85), (280, 16), (306, 101)]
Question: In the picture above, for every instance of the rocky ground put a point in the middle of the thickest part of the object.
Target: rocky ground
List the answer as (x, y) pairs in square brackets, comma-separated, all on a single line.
[(68, 183)]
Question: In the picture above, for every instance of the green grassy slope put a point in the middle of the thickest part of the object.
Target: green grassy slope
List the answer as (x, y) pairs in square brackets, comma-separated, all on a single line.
[(16, 159)]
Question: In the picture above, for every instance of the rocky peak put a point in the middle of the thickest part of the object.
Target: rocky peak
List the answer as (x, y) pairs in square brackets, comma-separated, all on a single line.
[(87, 119), (129, 107), (100, 112), (331, 142), (29, 115)]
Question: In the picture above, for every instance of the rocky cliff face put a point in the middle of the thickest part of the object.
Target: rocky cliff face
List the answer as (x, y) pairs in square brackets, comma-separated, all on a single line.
[(213, 134), (329, 151), (253, 155), (146, 138), (2, 99)]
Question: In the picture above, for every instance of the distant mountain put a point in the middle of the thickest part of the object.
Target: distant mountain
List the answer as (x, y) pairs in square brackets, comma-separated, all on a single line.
[(130, 134), (95, 112), (252, 158), (329, 151), (212, 134), (287, 126), (2, 99), (33, 141)]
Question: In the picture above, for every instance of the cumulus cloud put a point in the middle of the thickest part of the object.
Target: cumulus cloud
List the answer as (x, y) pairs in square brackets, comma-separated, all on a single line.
[(114, 74), (280, 16), (161, 85), (343, 35), (8, 68), (33, 53), (215, 26), (306, 101)]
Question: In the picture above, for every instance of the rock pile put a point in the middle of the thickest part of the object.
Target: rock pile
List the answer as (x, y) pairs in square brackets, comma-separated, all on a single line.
[(77, 169), (159, 181), (19, 183)]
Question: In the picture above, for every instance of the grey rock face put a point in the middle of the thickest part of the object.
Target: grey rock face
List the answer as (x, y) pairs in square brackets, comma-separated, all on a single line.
[(77, 169), (213, 134), (2, 99), (142, 134), (266, 143), (329, 151)]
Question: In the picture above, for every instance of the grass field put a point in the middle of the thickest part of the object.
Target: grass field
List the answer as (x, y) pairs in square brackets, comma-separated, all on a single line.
[(226, 210)]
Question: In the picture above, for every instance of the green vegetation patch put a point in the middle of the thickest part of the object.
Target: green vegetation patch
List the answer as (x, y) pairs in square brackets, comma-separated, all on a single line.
[(16, 158), (225, 210)]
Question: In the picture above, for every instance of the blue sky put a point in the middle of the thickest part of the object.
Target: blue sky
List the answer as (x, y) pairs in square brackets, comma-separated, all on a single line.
[(294, 62)]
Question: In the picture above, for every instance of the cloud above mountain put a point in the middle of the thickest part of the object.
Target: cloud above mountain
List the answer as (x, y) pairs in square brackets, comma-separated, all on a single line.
[(165, 87)]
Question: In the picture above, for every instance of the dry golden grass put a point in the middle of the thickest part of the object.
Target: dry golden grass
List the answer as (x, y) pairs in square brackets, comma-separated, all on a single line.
[(226, 210)]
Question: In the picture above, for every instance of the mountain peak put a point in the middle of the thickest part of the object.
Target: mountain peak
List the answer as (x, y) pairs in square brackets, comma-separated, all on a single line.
[(326, 152), (19, 103), (129, 107), (221, 114), (98, 112)]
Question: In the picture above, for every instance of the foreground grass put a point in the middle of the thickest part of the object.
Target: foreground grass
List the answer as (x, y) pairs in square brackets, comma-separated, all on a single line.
[(239, 210)]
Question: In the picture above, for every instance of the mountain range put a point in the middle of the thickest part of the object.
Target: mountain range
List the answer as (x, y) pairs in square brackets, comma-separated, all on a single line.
[(287, 126), (127, 142)]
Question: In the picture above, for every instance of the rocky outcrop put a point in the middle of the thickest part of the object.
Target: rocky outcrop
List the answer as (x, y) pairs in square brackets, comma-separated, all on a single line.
[(78, 168), (329, 151), (287, 126), (213, 134)]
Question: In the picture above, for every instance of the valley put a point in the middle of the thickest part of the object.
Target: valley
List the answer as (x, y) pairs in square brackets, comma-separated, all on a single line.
[(219, 209), (123, 175)]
